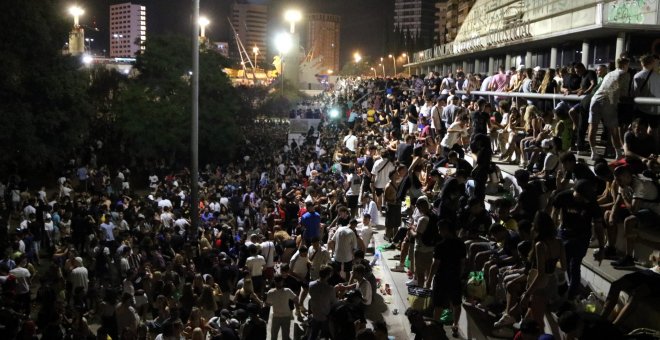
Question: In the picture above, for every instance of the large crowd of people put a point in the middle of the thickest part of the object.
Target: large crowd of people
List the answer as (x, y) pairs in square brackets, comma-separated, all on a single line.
[(283, 230)]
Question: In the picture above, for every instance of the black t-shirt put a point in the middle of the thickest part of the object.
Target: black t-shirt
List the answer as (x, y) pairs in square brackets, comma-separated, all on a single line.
[(587, 78), (480, 122), (404, 153), (510, 245), (572, 82), (640, 145), (412, 113), (581, 171), (576, 216), (450, 253)]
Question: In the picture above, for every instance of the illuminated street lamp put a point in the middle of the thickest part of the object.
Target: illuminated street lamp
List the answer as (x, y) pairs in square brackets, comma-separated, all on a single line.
[(76, 12), (330, 71), (408, 61), (357, 57), (203, 22), (393, 63), (375, 75), (383, 66), (255, 50), (283, 42), (292, 16)]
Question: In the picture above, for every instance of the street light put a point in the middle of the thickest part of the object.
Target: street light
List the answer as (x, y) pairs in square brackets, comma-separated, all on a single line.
[(292, 16), (255, 50), (393, 63), (203, 22), (408, 61), (383, 66), (283, 42), (330, 71), (76, 12), (375, 75), (357, 57)]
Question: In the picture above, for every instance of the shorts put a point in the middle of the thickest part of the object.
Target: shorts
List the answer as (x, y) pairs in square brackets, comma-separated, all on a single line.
[(603, 111), (352, 201), (379, 191), (423, 261), (446, 291)]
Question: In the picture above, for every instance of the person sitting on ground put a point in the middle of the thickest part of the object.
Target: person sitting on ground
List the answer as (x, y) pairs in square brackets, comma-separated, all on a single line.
[(425, 328), (641, 198), (640, 285)]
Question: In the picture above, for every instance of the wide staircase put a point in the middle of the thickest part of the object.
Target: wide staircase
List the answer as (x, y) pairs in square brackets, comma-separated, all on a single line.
[(596, 278)]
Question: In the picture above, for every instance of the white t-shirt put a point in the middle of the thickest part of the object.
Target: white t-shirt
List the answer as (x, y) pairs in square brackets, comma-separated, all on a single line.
[(345, 243), (381, 172), (367, 294), (79, 277), (166, 219), (256, 265), (372, 210), (298, 265), (268, 252), (279, 299), (452, 138), (351, 142)]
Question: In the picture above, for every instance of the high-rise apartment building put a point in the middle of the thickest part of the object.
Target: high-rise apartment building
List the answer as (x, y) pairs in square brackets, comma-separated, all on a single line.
[(439, 32), (323, 39), (455, 13), (250, 22), (128, 29), (416, 18)]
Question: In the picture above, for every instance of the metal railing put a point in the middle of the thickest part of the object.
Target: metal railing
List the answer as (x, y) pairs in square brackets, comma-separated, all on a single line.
[(551, 96)]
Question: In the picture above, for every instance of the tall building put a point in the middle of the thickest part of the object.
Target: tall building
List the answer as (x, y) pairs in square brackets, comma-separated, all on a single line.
[(439, 31), (323, 39), (455, 13), (128, 29), (416, 18), (250, 22)]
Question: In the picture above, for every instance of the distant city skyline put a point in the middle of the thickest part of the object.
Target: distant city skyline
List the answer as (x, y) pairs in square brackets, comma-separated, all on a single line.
[(364, 22)]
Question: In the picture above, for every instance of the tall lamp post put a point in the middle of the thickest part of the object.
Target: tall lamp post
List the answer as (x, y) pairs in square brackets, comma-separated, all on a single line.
[(393, 63), (203, 22), (292, 16), (375, 75), (357, 57), (255, 50), (77, 34), (408, 61), (383, 66), (283, 41), (194, 137)]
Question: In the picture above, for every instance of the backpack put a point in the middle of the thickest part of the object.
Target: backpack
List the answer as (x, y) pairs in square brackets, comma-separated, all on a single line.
[(430, 235)]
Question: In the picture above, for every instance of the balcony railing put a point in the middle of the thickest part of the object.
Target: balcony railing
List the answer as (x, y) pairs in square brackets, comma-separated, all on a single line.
[(555, 97)]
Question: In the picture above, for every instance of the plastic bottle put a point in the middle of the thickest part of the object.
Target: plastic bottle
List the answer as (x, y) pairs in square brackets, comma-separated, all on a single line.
[(407, 201), (376, 260), (590, 303)]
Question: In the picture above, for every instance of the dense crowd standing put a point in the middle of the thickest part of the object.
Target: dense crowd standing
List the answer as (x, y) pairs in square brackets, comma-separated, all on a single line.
[(283, 231)]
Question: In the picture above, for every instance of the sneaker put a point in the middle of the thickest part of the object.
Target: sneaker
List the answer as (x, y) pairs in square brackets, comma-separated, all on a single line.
[(411, 282), (505, 320), (399, 269), (625, 262)]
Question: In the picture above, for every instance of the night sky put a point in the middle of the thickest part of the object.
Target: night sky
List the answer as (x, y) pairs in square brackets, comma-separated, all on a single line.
[(364, 22)]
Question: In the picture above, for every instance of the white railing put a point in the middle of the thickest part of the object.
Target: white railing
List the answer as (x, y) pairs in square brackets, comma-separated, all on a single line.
[(554, 97)]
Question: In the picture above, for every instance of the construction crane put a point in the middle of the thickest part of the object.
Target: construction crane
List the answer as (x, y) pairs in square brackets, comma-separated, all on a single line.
[(242, 52)]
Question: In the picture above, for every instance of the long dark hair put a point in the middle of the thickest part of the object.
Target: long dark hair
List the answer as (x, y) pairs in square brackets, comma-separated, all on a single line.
[(544, 227)]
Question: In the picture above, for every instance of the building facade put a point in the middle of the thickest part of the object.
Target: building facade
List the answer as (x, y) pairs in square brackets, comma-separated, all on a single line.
[(450, 15), (440, 29), (416, 18), (250, 22), (548, 33), (323, 39), (128, 29)]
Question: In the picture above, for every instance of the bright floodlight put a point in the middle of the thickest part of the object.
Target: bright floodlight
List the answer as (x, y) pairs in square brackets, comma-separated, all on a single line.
[(334, 113), (283, 42), (292, 16), (203, 22), (357, 57), (87, 59), (404, 55), (76, 12), (421, 54), (255, 50)]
